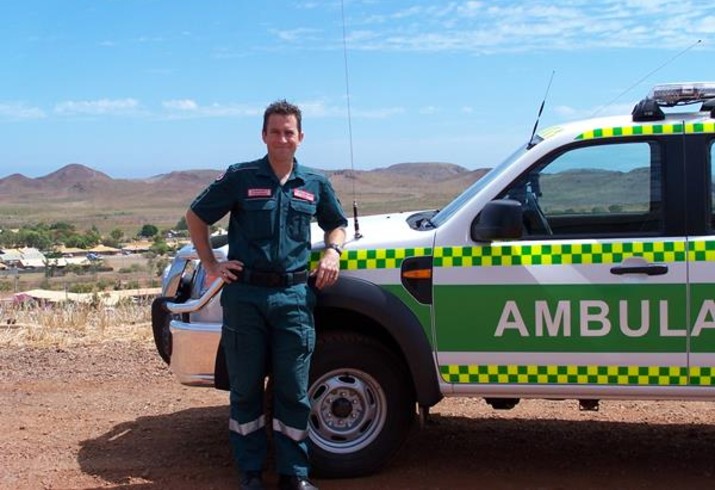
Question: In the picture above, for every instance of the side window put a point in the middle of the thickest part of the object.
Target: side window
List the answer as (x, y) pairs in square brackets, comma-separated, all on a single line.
[(603, 190)]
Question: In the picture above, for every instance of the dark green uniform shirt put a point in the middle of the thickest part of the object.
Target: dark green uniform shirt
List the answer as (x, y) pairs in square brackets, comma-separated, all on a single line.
[(269, 227)]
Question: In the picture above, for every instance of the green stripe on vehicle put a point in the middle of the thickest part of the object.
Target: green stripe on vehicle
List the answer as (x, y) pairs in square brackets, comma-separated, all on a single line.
[(381, 258), (584, 253), (578, 375), (515, 255), (650, 129), (702, 251), (700, 127)]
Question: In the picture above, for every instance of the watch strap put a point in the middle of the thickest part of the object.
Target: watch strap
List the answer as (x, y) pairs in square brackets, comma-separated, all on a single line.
[(335, 247)]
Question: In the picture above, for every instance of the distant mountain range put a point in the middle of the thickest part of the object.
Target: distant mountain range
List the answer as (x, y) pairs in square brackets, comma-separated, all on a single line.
[(81, 195), (79, 180)]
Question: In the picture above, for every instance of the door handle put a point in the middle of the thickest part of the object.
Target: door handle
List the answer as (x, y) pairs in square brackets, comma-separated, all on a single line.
[(650, 270)]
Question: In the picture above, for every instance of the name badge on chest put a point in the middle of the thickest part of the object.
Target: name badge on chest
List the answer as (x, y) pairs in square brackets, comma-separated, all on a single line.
[(259, 193), (304, 195)]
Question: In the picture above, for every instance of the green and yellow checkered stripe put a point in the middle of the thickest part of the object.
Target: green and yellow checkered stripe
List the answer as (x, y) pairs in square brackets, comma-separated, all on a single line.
[(702, 376), (702, 251), (578, 375), (513, 255), (585, 253), (385, 258), (648, 129), (700, 127), (631, 131)]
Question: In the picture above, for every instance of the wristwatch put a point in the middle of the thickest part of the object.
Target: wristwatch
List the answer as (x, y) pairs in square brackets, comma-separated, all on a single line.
[(335, 247)]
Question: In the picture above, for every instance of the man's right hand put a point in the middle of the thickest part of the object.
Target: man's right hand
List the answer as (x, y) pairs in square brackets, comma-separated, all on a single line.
[(226, 270)]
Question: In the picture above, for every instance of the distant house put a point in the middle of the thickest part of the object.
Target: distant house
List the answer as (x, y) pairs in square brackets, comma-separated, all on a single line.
[(24, 258), (104, 250), (71, 251), (10, 257), (71, 256), (137, 247)]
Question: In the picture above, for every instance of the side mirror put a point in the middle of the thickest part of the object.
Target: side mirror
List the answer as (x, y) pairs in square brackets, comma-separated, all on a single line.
[(499, 220)]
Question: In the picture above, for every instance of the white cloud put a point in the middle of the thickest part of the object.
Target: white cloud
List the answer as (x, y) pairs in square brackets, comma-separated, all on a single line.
[(379, 113), (517, 26), (321, 109), (189, 108), (568, 113), (150, 39), (428, 110), (181, 105), (326, 109), (101, 107), (18, 110), (301, 34)]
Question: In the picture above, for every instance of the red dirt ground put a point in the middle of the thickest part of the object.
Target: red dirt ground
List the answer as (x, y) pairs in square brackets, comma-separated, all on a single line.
[(112, 416)]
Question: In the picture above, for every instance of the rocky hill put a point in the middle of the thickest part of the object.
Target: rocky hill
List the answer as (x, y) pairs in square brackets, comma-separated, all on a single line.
[(84, 196)]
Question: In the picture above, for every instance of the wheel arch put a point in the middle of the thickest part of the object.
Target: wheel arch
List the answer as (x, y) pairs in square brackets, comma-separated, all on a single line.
[(387, 318)]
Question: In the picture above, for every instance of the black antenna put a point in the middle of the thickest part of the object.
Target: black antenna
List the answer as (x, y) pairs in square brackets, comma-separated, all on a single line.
[(358, 235), (532, 143)]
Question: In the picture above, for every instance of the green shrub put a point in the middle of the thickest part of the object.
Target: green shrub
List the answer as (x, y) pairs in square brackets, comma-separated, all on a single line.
[(81, 288)]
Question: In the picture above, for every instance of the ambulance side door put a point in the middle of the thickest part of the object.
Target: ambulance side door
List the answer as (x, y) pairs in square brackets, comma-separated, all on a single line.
[(592, 299), (700, 154)]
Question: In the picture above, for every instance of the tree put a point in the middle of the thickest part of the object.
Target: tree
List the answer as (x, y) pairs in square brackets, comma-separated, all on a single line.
[(116, 234), (93, 236), (62, 230), (181, 225), (148, 231), (114, 239), (110, 242), (160, 247), (8, 239), (31, 238), (77, 241)]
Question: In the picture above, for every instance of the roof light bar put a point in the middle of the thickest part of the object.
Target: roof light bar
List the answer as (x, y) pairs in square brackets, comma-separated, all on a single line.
[(672, 94)]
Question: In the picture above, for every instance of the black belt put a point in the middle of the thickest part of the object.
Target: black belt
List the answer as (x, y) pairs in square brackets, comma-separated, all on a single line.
[(272, 279)]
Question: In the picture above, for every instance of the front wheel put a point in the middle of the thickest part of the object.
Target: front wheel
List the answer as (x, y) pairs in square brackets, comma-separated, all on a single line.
[(362, 405)]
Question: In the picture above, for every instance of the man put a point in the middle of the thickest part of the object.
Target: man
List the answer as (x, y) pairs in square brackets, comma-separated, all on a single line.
[(267, 303)]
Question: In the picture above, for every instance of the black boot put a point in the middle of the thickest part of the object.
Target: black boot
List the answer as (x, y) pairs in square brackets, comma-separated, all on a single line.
[(293, 482)]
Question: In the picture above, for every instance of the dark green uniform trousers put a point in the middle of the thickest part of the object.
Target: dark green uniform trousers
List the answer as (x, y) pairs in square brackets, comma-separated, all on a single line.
[(269, 328)]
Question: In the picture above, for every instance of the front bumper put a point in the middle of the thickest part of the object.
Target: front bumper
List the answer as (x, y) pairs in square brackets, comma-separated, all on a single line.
[(193, 355), (195, 343)]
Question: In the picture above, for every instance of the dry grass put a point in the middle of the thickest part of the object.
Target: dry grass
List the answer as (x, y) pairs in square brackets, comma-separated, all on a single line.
[(70, 324)]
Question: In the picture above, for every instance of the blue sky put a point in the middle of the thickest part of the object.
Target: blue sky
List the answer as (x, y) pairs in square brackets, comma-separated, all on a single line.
[(136, 88)]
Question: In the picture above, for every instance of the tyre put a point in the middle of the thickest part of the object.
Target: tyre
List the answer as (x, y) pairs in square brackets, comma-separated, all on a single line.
[(362, 405), (160, 320)]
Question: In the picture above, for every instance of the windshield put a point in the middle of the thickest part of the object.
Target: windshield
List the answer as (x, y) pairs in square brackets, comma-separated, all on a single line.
[(475, 188)]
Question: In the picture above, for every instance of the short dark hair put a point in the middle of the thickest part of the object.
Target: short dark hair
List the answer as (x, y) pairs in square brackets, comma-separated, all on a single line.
[(284, 108)]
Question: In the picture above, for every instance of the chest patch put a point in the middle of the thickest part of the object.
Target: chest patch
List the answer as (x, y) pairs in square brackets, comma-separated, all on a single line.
[(259, 193), (305, 195)]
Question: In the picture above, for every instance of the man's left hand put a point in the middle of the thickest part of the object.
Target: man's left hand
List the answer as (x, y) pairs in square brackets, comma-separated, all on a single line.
[(328, 269)]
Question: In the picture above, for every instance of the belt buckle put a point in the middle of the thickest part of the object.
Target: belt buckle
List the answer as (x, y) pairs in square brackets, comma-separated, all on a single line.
[(275, 280)]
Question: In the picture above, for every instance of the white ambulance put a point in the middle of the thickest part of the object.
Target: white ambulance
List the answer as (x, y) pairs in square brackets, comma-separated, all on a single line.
[(582, 267)]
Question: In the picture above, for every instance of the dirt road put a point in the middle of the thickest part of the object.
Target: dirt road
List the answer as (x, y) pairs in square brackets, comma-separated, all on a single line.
[(112, 416)]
